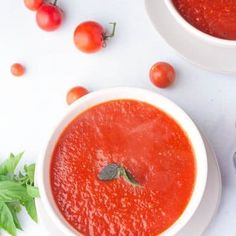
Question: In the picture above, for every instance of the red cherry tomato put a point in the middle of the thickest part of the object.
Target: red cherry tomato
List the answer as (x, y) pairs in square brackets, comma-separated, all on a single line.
[(49, 17), (90, 37), (17, 69), (33, 5), (75, 93), (162, 74)]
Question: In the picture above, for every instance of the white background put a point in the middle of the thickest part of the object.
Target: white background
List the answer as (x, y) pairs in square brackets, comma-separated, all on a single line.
[(30, 105)]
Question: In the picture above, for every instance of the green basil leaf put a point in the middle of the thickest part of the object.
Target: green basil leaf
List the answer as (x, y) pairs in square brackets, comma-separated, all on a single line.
[(9, 166), (13, 208), (15, 205), (32, 191), (114, 171), (30, 172), (31, 209), (5, 177), (128, 177), (6, 219), (13, 191), (109, 172), (20, 175)]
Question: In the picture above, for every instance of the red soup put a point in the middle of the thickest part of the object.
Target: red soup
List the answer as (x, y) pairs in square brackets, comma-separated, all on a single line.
[(149, 144), (214, 17)]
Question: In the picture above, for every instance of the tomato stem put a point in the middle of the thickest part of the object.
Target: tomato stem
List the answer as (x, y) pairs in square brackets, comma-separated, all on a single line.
[(55, 2), (105, 37)]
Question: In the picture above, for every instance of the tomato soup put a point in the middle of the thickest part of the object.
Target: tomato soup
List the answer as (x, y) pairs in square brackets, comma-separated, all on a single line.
[(149, 144), (214, 17)]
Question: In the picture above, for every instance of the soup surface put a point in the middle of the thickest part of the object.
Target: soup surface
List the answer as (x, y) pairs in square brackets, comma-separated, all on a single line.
[(149, 144), (214, 17)]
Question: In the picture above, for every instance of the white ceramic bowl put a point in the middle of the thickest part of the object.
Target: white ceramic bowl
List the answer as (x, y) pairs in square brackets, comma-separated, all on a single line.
[(197, 33), (43, 165)]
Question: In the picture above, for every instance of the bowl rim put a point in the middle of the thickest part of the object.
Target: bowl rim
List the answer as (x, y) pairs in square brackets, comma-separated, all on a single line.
[(94, 98), (198, 33)]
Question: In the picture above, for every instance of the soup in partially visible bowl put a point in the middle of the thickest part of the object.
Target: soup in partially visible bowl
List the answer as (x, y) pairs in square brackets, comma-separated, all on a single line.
[(217, 17)]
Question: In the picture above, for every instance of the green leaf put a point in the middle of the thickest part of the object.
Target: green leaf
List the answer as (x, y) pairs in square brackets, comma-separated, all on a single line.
[(20, 175), (109, 172), (9, 166), (6, 219), (31, 209), (30, 172), (13, 191), (32, 191), (5, 177), (128, 177), (16, 205), (13, 208), (114, 171), (16, 190)]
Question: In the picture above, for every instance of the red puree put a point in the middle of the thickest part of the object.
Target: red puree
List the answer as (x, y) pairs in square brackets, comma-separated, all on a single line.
[(143, 139), (214, 17)]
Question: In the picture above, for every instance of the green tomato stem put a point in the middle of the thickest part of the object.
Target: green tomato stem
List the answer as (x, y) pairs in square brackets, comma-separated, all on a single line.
[(105, 37)]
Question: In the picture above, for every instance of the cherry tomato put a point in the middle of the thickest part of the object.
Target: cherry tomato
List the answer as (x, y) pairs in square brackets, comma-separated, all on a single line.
[(75, 93), (90, 37), (49, 17), (33, 5), (17, 69), (162, 74)]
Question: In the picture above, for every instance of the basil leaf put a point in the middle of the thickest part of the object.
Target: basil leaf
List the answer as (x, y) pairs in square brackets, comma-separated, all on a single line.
[(9, 166), (32, 191), (20, 175), (12, 191), (109, 172), (128, 177), (6, 219), (31, 209), (16, 190), (5, 177), (30, 172), (15, 205), (114, 171), (14, 211)]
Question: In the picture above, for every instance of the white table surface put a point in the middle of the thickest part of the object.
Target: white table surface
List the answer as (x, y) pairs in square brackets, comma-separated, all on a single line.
[(30, 105)]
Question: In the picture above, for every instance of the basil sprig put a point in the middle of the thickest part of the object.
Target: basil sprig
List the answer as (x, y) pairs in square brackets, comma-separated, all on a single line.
[(115, 171), (16, 190)]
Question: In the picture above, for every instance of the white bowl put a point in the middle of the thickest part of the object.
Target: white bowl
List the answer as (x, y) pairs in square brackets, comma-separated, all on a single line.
[(43, 165), (196, 32)]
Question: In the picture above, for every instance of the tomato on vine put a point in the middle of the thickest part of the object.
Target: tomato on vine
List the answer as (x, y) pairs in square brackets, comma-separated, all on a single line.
[(90, 36)]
